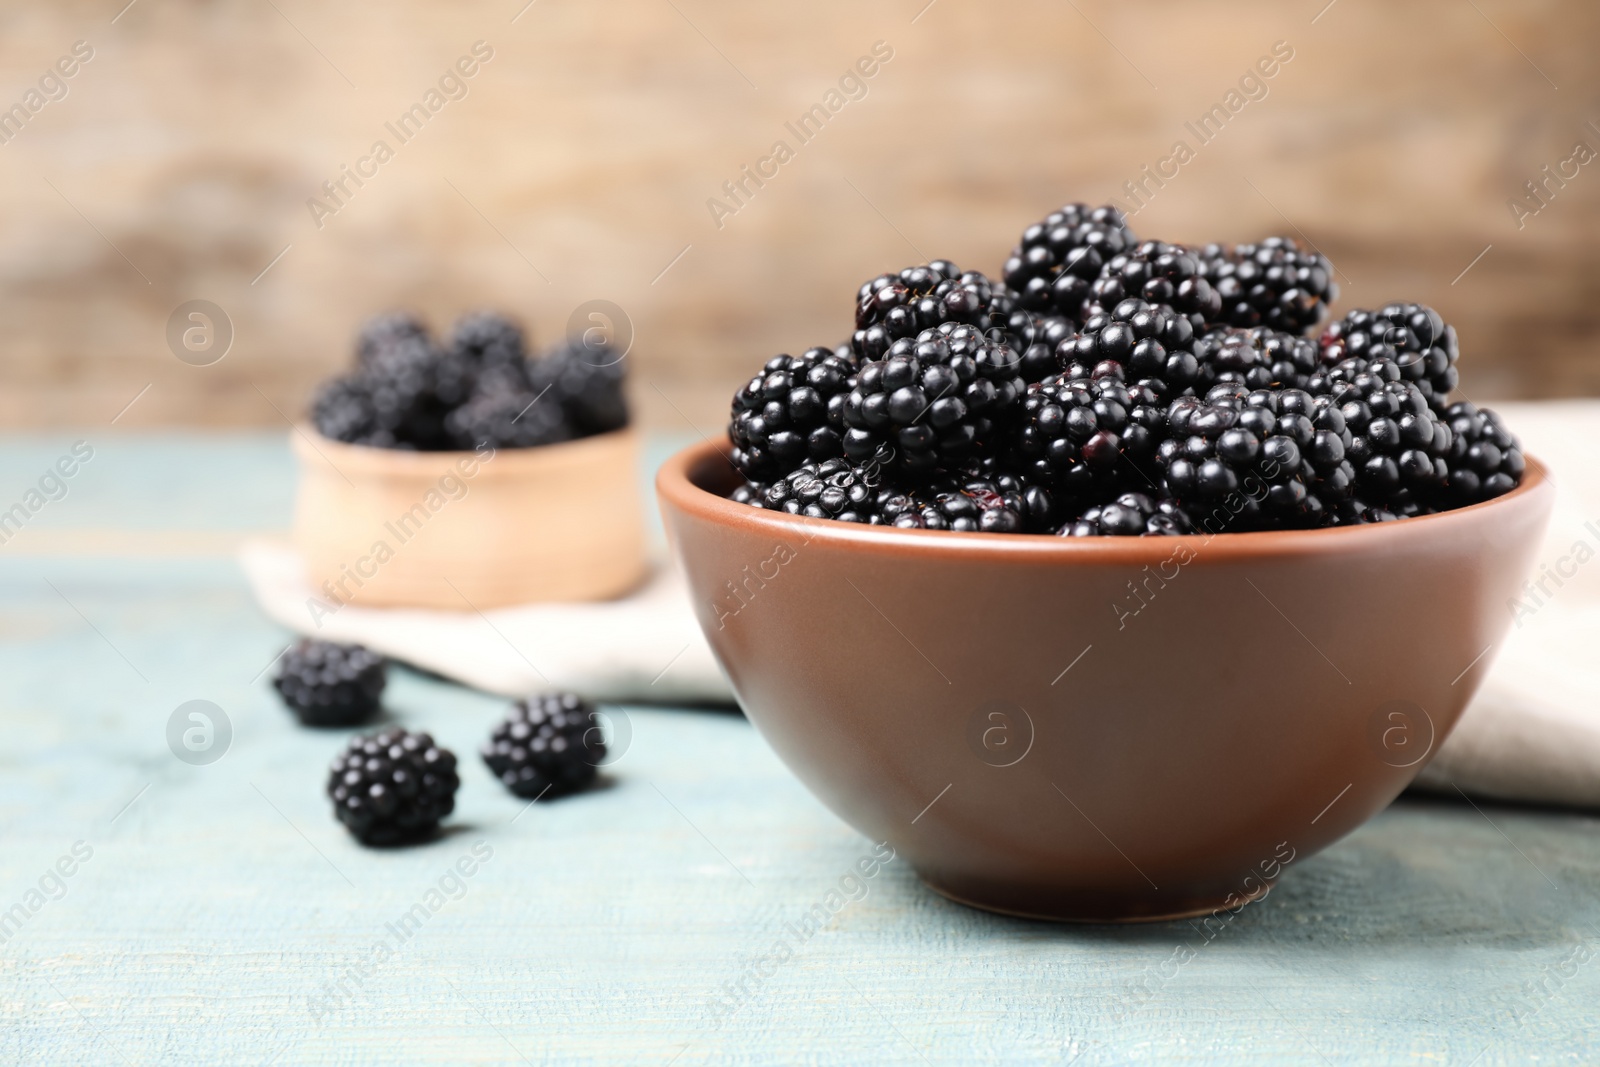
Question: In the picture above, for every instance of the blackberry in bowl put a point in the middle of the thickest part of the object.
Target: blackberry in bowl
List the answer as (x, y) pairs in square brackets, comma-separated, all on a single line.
[(965, 514), (469, 473)]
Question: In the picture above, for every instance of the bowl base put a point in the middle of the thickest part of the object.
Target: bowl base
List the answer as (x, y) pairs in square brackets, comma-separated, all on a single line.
[(1068, 913)]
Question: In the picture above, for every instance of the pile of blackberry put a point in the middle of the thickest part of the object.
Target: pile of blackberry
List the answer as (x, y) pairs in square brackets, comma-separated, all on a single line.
[(479, 388), (1106, 385)]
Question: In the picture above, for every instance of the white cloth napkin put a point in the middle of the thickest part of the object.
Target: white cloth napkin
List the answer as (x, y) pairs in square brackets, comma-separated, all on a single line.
[(1532, 734)]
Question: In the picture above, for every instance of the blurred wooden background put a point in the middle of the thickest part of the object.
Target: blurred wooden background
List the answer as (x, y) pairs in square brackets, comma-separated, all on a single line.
[(579, 165)]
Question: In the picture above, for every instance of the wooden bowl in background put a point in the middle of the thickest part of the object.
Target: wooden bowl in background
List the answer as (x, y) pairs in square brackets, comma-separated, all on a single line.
[(470, 530)]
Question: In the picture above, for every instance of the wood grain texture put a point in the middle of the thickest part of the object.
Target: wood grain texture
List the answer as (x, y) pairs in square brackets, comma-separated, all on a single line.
[(220, 904), (581, 162)]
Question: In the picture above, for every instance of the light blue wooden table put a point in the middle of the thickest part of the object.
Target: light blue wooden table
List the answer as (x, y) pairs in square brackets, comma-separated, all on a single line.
[(221, 910)]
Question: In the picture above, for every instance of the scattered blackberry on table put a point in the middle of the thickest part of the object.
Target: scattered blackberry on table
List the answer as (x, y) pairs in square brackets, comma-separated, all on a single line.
[(792, 412), (1484, 458), (1131, 515), (586, 381), (546, 746), (1158, 273), (1414, 336), (327, 684), (894, 306), (392, 787), (507, 420), (1276, 283), (1061, 256), (931, 400)]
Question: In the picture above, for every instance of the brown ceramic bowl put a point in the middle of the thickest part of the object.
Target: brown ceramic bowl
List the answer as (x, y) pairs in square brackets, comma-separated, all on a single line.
[(1100, 728), (460, 531)]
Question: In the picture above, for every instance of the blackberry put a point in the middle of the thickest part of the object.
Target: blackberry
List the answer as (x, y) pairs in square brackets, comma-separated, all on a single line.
[(1130, 515), (1276, 283), (1246, 459), (401, 376), (393, 786), (956, 503), (1258, 358), (931, 399), (326, 684), (832, 489), (381, 331), (902, 305), (1042, 509), (343, 410), (1061, 256), (1158, 273), (1151, 341), (488, 339), (507, 420), (752, 493), (792, 412), (1036, 337), (586, 381), (547, 746), (1485, 459), (1398, 444), (1075, 432), (1413, 335)]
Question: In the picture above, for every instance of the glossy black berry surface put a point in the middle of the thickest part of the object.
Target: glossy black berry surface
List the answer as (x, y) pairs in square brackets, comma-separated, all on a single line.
[(547, 746), (791, 412), (393, 787), (1059, 258), (1278, 283), (327, 684)]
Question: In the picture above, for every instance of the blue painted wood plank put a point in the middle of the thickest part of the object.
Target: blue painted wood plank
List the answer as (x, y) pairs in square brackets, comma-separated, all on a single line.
[(669, 917)]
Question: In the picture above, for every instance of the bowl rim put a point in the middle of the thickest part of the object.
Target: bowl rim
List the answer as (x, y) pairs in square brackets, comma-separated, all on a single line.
[(677, 488), (311, 446)]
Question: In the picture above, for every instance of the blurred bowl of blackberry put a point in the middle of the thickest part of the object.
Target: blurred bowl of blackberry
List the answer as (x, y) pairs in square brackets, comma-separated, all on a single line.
[(1106, 588), (469, 472)]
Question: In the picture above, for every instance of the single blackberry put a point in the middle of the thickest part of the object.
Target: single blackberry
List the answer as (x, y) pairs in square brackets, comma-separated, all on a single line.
[(343, 410), (402, 377), (1258, 358), (1243, 459), (1061, 256), (1036, 337), (955, 503), (326, 684), (546, 746), (586, 381), (792, 412), (1151, 341), (507, 420), (381, 331), (832, 489), (1042, 509), (1398, 444), (752, 493), (1130, 515), (393, 786), (1074, 432), (1485, 459), (487, 339), (1276, 283), (931, 399), (902, 305), (1158, 273), (1413, 335)]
